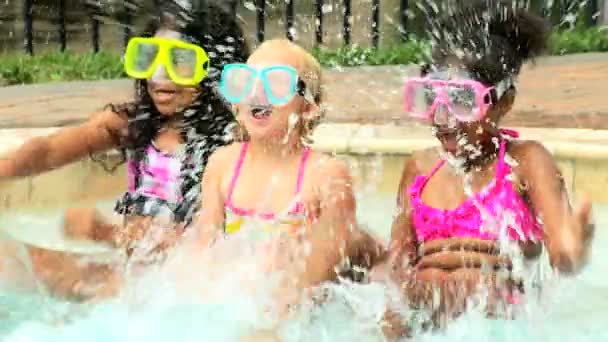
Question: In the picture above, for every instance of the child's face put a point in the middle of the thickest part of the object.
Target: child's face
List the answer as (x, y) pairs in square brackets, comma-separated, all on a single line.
[(167, 96), (457, 137), (272, 122)]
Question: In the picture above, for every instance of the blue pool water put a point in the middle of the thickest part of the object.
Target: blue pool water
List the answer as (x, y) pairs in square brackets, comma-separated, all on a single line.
[(155, 309)]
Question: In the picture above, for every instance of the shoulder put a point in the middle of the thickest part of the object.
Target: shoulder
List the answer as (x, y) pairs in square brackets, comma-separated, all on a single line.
[(225, 154), (528, 148), (323, 167), (530, 153), (420, 162), (532, 159), (327, 181), (326, 176)]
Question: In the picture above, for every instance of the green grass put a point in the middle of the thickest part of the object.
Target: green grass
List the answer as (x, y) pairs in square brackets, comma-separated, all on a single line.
[(579, 41), (57, 66), (412, 51)]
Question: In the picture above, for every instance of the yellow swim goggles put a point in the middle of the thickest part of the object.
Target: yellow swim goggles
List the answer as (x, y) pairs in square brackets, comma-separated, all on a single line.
[(186, 64)]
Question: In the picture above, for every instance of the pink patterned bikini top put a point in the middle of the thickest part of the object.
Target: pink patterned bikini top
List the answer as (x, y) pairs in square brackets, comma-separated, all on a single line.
[(160, 175), (294, 215), (482, 216)]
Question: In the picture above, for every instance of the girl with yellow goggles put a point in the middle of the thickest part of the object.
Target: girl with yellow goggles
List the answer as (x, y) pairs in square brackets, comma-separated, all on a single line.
[(186, 64)]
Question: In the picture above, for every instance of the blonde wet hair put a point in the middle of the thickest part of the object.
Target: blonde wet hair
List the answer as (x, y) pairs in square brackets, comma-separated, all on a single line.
[(309, 70)]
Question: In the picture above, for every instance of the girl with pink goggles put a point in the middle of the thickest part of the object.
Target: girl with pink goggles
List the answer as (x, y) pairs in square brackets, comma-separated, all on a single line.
[(467, 100)]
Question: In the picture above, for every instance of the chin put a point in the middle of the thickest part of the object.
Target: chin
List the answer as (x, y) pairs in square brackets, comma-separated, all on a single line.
[(166, 110), (257, 133), (265, 134)]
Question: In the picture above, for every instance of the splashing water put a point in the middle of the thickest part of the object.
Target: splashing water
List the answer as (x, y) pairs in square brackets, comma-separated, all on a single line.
[(189, 300)]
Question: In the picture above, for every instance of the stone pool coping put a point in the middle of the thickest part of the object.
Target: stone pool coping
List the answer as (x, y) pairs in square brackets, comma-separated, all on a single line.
[(556, 91), (353, 138), (360, 139), (375, 152)]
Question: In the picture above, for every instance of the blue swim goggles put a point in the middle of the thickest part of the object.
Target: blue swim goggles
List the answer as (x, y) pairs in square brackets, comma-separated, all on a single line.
[(240, 83)]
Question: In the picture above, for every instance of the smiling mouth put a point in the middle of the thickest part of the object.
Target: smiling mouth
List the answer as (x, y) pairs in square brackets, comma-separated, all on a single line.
[(261, 112), (166, 91)]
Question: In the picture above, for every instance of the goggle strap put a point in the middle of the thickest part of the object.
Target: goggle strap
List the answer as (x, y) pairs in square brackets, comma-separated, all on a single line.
[(303, 91)]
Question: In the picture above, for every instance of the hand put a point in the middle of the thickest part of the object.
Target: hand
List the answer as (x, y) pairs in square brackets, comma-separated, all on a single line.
[(583, 216), (380, 272), (575, 242)]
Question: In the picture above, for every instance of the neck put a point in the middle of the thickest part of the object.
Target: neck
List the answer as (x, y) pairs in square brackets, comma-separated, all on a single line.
[(275, 150), (480, 156)]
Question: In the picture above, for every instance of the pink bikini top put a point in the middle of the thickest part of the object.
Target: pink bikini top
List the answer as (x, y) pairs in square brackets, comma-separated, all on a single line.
[(501, 205), (297, 208)]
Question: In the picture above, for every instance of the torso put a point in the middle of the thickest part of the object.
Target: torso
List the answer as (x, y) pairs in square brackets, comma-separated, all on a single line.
[(269, 216), (455, 261), (261, 208), (157, 190), (487, 204)]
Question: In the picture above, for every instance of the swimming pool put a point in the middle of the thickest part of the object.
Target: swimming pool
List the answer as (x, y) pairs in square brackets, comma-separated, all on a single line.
[(571, 309)]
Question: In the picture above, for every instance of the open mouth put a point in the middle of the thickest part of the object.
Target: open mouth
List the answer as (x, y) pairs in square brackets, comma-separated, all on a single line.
[(448, 138), (163, 92), (261, 112), (441, 132)]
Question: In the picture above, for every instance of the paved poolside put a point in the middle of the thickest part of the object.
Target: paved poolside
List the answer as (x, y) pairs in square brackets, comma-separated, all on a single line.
[(564, 92)]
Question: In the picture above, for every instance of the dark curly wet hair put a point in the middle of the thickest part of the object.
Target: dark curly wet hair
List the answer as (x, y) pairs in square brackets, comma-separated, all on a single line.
[(492, 38), (208, 121), (218, 33)]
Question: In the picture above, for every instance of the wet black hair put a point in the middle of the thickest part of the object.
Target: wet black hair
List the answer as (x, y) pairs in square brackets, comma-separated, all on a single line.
[(209, 119), (218, 33), (214, 29), (492, 38)]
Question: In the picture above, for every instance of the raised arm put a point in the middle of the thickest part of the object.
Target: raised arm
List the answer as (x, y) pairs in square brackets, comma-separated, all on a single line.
[(567, 233), (63, 147)]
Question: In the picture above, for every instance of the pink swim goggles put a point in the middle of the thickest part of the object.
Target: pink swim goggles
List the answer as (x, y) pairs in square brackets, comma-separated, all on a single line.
[(467, 100)]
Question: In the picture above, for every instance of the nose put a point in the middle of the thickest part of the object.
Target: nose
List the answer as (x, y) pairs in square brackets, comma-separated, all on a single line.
[(160, 74), (443, 117), (440, 116), (257, 95)]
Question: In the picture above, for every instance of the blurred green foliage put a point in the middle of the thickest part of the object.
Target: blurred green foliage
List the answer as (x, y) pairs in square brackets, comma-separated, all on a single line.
[(67, 66)]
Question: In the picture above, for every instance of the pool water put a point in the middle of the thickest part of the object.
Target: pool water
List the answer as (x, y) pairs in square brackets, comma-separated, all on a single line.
[(156, 309)]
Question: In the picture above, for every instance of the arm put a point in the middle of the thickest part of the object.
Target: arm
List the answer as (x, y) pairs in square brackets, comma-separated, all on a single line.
[(330, 231), (211, 217), (63, 147), (331, 216), (567, 233), (403, 244)]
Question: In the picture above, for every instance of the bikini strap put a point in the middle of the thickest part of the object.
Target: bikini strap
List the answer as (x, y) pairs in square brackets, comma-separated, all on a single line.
[(509, 133), (237, 171), (502, 169), (436, 168), (302, 169), (425, 179)]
